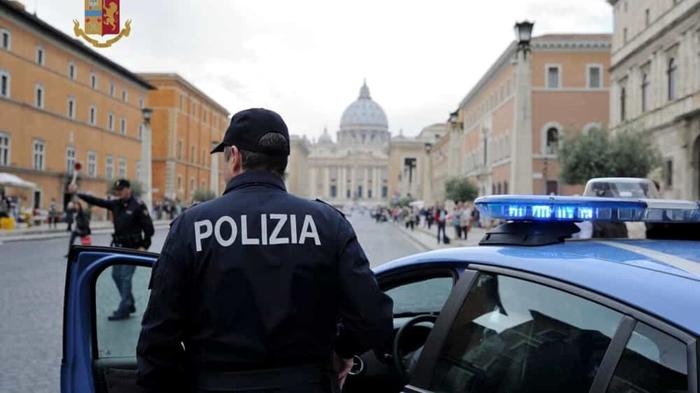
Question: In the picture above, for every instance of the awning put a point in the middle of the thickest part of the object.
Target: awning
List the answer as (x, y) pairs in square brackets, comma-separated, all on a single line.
[(10, 180)]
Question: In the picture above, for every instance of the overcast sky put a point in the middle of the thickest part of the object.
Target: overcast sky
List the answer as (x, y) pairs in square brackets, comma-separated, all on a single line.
[(307, 59)]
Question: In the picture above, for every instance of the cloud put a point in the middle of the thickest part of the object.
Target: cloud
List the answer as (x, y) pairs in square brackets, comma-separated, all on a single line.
[(307, 58)]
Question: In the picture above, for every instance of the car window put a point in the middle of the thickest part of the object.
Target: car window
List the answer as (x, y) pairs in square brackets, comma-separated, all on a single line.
[(420, 297), (513, 335), (652, 361), (117, 337)]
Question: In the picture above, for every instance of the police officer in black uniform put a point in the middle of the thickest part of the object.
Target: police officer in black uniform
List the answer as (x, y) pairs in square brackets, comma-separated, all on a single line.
[(133, 228), (256, 290)]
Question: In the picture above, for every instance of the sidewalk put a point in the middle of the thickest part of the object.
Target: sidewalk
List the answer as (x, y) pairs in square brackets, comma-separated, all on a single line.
[(427, 239), (43, 231)]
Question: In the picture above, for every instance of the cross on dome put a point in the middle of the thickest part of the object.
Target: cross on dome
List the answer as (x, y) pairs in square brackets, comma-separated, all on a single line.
[(364, 90)]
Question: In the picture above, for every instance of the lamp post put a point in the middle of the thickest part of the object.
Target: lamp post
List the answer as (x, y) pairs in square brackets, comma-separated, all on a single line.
[(427, 175), (521, 176), (146, 162), (523, 35), (214, 170)]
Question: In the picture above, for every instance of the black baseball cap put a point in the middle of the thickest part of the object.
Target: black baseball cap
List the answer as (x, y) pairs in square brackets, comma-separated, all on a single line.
[(121, 184), (248, 126)]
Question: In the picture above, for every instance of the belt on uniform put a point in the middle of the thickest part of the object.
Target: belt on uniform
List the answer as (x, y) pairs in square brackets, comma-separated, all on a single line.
[(264, 379)]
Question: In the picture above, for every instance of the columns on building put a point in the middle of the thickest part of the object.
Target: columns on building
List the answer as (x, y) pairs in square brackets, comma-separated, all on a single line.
[(365, 183), (326, 182), (521, 151), (314, 183), (376, 180), (353, 181), (342, 183)]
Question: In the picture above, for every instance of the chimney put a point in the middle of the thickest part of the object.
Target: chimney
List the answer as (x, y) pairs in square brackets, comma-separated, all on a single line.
[(18, 5)]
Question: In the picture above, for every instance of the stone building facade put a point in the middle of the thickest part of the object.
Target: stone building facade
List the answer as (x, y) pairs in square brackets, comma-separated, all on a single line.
[(506, 132), (655, 69), (61, 102), (364, 165), (186, 123)]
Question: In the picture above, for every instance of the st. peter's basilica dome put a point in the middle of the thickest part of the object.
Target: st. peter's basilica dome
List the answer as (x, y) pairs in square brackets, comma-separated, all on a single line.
[(364, 114)]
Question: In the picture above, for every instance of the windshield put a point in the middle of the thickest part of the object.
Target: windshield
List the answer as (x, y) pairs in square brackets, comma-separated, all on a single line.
[(622, 189)]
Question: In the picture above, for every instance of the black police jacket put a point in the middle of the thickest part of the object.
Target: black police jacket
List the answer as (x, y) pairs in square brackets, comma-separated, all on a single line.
[(257, 279), (133, 226)]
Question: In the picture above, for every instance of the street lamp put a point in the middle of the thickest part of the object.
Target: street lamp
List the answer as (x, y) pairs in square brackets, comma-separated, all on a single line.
[(147, 115), (146, 156), (523, 35)]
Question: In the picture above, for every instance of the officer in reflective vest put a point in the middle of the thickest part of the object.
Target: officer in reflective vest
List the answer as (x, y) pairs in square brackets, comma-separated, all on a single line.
[(259, 290), (133, 228)]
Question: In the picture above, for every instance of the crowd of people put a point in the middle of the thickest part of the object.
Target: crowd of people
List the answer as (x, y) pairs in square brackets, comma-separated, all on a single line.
[(461, 218)]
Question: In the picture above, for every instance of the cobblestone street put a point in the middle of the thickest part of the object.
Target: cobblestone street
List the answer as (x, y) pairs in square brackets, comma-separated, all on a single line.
[(32, 276)]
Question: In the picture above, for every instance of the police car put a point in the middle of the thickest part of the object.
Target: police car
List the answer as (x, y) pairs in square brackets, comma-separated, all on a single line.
[(529, 310)]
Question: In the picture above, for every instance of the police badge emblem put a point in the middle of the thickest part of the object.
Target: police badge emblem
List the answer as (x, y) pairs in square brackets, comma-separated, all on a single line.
[(102, 18)]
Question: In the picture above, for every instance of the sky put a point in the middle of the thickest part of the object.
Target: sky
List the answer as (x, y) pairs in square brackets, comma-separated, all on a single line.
[(306, 59)]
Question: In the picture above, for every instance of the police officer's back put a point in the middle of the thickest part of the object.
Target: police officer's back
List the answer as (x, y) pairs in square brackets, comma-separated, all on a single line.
[(250, 287)]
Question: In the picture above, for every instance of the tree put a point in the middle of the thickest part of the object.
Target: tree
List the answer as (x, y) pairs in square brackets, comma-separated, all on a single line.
[(600, 154), (460, 189)]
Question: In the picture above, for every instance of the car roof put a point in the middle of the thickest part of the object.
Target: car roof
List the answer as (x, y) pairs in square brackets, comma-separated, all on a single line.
[(660, 278)]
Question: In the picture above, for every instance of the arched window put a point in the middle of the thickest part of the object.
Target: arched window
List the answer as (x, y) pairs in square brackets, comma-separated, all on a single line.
[(672, 72), (505, 187), (498, 189), (552, 141)]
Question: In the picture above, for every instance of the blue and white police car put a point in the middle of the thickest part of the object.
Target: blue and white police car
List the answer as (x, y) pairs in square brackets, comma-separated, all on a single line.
[(529, 310)]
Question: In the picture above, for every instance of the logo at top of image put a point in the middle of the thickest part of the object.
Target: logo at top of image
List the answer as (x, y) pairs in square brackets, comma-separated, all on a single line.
[(102, 17)]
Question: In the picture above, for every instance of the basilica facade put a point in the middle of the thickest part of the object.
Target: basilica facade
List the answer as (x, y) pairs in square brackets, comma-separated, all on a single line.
[(364, 165)]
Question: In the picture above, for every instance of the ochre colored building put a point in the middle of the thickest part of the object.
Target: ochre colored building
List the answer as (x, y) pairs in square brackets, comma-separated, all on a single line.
[(566, 86), (186, 123), (61, 102)]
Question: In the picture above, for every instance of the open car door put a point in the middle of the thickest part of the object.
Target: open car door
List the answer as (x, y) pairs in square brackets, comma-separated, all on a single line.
[(99, 354)]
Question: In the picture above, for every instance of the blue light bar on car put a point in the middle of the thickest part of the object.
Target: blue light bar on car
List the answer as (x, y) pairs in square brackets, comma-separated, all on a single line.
[(577, 209)]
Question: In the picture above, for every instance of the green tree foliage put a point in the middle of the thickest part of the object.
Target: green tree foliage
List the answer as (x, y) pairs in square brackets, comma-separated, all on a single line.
[(460, 189), (600, 154), (203, 195)]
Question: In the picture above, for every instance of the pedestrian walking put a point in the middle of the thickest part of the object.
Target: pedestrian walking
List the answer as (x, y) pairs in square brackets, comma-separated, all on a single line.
[(456, 219), (466, 219), (69, 216), (82, 226), (133, 228), (441, 220), (53, 214), (263, 287)]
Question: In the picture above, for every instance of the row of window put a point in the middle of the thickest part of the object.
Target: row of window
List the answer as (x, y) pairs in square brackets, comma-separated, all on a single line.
[(203, 185), (594, 76), (71, 106), (39, 159), (553, 80), (40, 59), (202, 159), (647, 20), (645, 88), (213, 119)]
